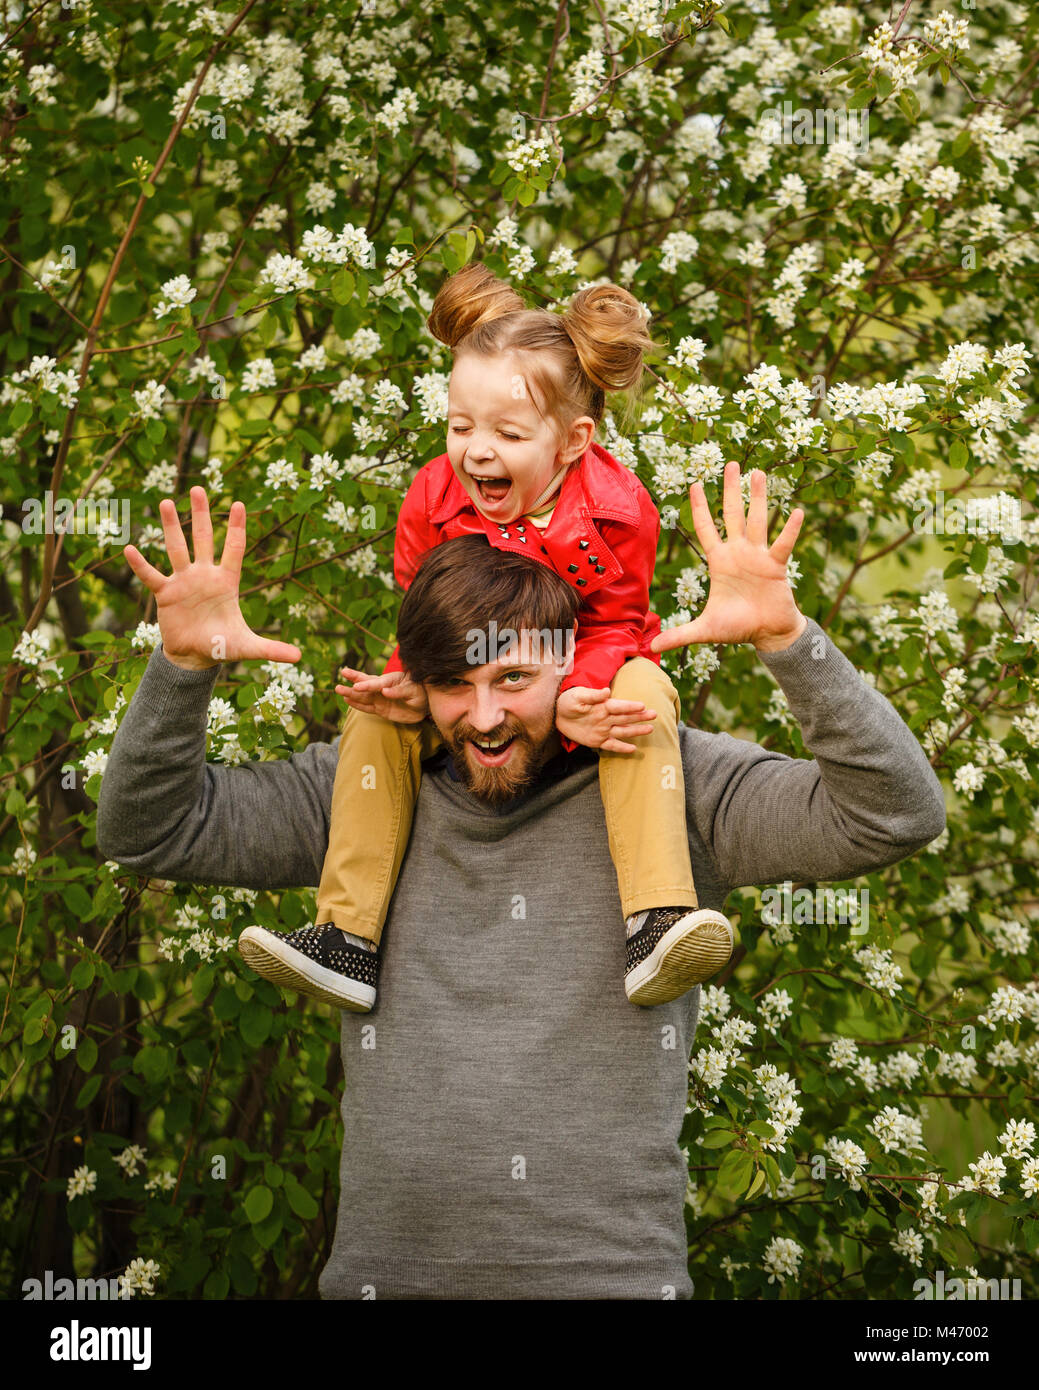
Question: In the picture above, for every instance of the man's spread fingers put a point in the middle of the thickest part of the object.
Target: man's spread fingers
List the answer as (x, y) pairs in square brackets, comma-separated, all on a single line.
[(149, 576), (201, 526), (176, 545)]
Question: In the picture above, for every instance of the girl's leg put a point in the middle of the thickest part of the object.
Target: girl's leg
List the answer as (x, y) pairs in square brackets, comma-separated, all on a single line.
[(673, 943), (373, 804), (643, 795)]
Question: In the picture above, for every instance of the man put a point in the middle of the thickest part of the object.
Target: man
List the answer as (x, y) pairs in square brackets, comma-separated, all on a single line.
[(511, 1121)]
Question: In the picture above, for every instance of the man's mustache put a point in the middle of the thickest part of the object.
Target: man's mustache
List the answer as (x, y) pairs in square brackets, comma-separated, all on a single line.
[(464, 732)]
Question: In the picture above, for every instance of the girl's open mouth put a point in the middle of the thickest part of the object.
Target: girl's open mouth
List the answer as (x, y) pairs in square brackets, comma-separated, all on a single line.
[(492, 490)]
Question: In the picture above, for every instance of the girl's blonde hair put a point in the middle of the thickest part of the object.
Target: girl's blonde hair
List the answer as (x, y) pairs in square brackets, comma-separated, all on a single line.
[(571, 359)]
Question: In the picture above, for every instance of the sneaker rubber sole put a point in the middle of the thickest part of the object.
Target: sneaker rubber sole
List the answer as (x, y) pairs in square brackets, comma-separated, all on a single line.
[(687, 955), (265, 953)]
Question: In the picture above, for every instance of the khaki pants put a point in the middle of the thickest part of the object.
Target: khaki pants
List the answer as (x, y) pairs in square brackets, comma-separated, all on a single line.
[(377, 784)]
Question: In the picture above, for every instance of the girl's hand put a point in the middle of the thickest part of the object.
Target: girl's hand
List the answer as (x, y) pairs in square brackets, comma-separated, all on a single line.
[(750, 599), (391, 696), (594, 718)]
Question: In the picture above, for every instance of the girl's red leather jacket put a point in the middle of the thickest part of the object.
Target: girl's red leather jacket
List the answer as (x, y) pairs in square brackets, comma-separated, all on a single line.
[(601, 538)]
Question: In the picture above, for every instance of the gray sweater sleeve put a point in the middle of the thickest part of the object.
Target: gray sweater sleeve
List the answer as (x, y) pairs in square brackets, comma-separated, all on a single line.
[(867, 798), (164, 810)]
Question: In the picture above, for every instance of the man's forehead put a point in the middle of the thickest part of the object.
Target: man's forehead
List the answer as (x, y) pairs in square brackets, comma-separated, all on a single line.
[(510, 661)]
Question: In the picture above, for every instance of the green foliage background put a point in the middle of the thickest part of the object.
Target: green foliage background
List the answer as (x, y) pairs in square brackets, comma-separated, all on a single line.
[(134, 163)]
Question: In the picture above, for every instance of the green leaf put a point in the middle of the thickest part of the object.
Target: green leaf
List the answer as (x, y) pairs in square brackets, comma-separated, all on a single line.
[(735, 1172), (252, 429), (216, 1285), (152, 1063), (343, 287), (243, 1276), (910, 104), (958, 454), (202, 983), (978, 557), (82, 974), (718, 1139), (258, 1204), (267, 1232), (80, 905), (225, 1004), (254, 1023), (86, 1054), (300, 1200), (88, 1091)]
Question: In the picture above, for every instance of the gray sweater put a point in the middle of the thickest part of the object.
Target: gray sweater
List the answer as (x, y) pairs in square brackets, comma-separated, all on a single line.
[(511, 1121)]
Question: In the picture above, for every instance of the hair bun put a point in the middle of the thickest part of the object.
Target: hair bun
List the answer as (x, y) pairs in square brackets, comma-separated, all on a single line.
[(607, 327), (470, 297)]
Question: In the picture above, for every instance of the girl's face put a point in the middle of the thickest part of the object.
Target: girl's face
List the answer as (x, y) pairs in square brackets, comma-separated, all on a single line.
[(501, 450)]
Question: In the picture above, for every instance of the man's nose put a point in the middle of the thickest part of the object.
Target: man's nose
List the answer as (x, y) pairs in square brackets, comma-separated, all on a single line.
[(488, 710)]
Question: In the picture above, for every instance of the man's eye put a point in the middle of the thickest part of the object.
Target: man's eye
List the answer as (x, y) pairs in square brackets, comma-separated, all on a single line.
[(515, 676)]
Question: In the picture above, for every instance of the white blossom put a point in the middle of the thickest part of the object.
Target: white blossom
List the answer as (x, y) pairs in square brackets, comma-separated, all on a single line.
[(148, 400), (1018, 1138), (910, 1244), (179, 292), (83, 1180), (130, 1159), (850, 1160), (782, 1258), (140, 1276)]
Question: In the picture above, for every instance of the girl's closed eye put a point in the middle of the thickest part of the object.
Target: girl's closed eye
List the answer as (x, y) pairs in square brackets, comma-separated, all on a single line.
[(461, 429)]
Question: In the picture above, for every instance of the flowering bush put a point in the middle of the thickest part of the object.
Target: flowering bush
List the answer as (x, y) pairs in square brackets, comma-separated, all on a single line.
[(226, 225)]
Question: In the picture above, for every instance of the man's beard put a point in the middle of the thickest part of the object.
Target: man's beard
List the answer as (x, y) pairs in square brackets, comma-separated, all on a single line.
[(497, 786)]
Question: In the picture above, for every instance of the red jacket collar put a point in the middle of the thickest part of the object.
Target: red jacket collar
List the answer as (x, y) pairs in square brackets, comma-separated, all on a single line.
[(598, 486)]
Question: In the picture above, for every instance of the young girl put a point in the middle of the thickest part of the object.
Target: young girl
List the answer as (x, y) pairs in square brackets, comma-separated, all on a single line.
[(525, 396)]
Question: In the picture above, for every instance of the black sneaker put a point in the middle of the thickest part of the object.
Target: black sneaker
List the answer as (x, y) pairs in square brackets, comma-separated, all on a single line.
[(316, 961), (673, 949)]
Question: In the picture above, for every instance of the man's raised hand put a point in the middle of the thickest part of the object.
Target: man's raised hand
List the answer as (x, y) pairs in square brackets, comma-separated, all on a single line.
[(197, 605), (750, 599)]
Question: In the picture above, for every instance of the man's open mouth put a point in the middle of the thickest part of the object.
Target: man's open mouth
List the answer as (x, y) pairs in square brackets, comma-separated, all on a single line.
[(492, 489), (492, 752)]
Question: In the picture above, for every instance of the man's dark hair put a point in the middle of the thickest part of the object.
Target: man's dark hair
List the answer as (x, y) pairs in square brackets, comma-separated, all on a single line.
[(462, 586)]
